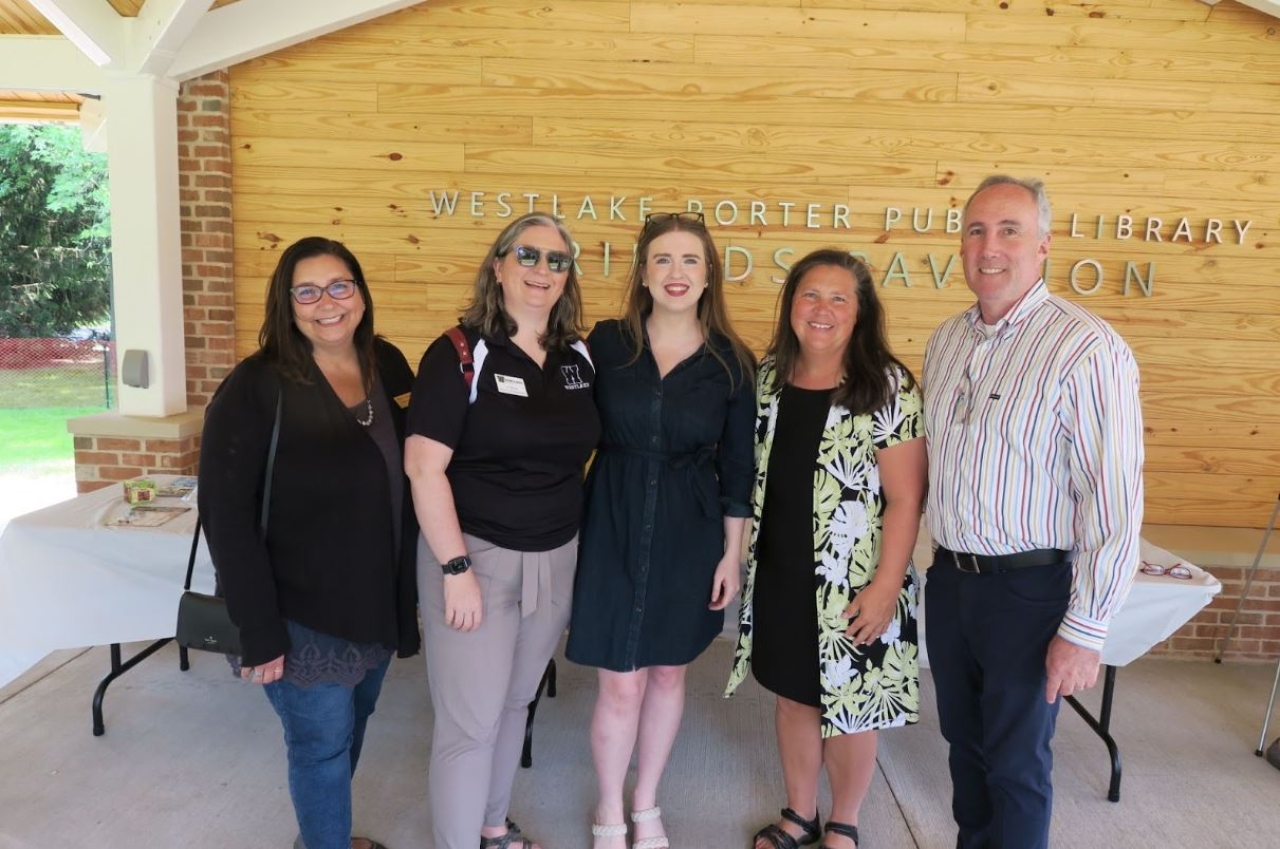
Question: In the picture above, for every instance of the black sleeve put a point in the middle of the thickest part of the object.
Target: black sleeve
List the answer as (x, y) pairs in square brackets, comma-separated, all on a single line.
[(393, 369), (233, 457), (735, 459), (438, 409)]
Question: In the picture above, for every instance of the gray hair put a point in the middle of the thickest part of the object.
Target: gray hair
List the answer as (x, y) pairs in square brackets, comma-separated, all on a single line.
[(1033, 185), (486, 312)]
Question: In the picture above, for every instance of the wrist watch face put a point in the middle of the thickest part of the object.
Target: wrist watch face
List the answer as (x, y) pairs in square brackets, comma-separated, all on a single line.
[(457, 565)]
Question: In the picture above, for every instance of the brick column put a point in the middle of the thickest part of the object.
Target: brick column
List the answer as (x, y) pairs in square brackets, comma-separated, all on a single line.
[(208, 278), (110, 447)]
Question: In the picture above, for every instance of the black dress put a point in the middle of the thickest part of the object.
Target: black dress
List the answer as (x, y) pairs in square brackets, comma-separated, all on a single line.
[(786, 606), (675, 459)]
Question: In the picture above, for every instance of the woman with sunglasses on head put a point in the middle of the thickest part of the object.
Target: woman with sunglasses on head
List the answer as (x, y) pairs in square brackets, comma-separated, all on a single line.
[(666, 503), (828, 613), (502, 424), (326, 596)]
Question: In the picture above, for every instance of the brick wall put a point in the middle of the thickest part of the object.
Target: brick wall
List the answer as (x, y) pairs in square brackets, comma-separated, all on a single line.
[(204, 183), (1257, 632), (103, 460)]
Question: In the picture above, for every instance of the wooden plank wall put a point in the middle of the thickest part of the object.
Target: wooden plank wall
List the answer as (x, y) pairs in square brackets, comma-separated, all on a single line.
[(1163, 109)]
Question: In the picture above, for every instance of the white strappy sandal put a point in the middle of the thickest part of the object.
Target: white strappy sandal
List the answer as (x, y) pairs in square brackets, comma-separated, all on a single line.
[(598, 830), (649, 842)]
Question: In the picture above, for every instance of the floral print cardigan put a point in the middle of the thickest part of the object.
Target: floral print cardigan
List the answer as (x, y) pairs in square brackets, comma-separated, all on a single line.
[(863, 688)]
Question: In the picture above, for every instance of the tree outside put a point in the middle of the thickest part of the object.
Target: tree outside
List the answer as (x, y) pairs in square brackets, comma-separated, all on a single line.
[(55, 233), (55, 284)]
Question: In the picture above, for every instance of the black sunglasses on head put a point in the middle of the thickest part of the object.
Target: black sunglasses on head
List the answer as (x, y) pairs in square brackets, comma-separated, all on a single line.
[(689, 217)]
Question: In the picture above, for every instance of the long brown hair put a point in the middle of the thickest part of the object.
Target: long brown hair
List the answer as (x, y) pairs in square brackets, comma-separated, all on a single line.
[(280, 342), (868, 361), (712, 313), (486, 311)]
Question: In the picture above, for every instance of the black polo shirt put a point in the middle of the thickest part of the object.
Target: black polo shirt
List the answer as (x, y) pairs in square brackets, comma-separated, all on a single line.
[(520, 437)]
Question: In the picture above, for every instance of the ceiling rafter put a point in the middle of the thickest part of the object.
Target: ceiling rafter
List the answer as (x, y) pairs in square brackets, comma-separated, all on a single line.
[(252, 28), (91, 25), (160, 30)]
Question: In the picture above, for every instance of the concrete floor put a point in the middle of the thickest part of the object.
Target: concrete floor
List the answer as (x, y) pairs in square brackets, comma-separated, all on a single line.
[(195, 760)]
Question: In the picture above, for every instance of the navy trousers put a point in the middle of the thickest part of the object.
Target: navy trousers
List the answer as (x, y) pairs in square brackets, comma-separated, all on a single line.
[(987, 637)]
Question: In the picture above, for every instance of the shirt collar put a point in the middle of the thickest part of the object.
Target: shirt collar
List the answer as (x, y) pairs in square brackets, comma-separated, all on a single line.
[(1034, 297)]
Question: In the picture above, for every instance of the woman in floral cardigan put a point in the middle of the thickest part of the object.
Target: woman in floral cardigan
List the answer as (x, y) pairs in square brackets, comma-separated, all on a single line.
[(828, 616)]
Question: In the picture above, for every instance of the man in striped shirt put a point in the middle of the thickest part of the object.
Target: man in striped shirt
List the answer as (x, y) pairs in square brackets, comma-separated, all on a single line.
[(1035, 501)]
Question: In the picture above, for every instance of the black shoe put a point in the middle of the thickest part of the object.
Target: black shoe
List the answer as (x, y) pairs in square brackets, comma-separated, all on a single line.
[(780, 839)]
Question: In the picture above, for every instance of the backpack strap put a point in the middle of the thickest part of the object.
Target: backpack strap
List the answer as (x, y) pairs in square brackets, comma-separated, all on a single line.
[(466, 364)]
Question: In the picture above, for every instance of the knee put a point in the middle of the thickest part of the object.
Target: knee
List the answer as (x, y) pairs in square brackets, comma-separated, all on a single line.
[(667, 678), (798, 713), (315, 743), (621, 692)]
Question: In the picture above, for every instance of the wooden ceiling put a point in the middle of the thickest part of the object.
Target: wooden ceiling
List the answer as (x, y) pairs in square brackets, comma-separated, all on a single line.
[(17, 17)]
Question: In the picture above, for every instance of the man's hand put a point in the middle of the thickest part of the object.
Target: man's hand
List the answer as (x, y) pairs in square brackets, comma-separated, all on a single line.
[(1070, 668)]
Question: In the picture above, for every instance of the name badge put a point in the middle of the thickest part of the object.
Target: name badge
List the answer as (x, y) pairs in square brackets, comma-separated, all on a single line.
[(510, 385)]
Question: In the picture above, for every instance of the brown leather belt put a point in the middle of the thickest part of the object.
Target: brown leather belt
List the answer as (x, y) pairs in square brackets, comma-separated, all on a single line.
[(995, 564)]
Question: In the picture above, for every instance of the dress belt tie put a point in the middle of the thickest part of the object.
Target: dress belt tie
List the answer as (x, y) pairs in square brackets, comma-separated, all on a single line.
[(706, 488)]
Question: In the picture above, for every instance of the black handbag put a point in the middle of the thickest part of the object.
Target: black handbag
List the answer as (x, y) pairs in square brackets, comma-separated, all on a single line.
[(203, 620)]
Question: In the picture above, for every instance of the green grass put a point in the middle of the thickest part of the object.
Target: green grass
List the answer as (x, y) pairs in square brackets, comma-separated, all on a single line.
[(36, 439), (59, 386), (34, 407)]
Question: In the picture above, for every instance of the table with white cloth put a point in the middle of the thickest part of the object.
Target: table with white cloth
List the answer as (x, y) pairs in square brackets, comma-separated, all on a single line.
[(69, 580), (1157, 606)]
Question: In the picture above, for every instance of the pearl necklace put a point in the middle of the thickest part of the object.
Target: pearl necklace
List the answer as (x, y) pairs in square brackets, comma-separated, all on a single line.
[(368, 420)]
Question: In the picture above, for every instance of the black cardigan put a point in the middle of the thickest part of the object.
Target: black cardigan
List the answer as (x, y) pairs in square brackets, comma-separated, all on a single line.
[(329, 561)]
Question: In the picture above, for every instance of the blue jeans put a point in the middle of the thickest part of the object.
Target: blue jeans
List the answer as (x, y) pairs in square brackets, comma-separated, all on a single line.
[(323, 733)]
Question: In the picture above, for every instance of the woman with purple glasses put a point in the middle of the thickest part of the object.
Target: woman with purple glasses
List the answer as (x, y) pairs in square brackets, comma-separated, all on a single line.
[(325, 597)]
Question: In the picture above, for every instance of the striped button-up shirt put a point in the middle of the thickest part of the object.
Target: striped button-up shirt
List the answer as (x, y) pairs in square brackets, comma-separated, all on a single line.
[(1035, 441)]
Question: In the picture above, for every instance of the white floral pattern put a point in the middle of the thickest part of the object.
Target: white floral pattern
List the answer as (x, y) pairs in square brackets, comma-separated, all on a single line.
[(867, 687)]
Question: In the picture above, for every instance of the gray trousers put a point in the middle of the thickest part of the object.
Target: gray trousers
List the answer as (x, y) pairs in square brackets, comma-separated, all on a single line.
[(482, 682)]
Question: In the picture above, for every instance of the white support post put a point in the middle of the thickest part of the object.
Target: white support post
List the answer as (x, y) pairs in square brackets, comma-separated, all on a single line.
[(142, 159)]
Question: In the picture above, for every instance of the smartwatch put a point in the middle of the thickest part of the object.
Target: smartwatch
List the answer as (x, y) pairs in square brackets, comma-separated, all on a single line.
[(457, 565)]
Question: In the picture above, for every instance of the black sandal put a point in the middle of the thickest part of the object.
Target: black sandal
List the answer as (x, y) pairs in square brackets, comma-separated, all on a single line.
[(504, 842), (844, 830), (779, 839)]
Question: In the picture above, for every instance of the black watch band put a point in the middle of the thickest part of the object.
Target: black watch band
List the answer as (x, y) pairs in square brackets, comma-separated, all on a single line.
[(457, 565)]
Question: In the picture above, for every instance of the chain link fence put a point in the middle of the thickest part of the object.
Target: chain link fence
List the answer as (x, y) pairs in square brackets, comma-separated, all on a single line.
[(57, 372)]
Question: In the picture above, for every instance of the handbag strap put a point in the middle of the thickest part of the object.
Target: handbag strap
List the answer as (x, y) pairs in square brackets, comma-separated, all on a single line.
[(266, 494)]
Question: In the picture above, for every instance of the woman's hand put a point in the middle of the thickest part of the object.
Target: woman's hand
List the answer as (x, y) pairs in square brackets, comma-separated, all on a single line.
[(727, 580), (870, 612), (267, 673), (463, 609)]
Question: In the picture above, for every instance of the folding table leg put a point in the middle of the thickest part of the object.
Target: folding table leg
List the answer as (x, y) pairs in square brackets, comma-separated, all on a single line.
[(1102, 727), (118, 669)]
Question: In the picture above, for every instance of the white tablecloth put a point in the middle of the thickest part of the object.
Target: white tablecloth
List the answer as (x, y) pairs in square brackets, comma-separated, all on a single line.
[(1156, 607), (66, 580)]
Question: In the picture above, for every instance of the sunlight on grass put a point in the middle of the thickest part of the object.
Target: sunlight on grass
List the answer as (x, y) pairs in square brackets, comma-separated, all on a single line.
[(36, 439)]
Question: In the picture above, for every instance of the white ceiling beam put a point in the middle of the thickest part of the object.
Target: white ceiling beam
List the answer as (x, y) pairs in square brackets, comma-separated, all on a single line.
[(91, 25), (47, 63), (252, 28), (159, 32), (1271, 7)]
